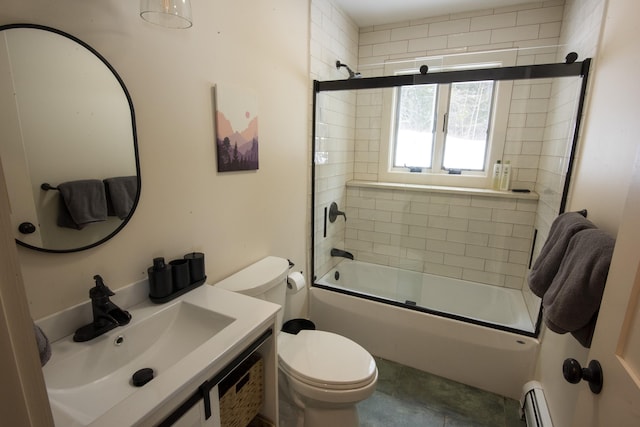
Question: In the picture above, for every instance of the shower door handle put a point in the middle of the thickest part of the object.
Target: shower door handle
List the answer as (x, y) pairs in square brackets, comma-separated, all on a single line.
[(574, 373)]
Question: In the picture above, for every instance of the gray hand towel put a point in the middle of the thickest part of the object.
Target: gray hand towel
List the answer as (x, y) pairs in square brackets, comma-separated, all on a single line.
[(84, 200), (572, 302), (121, 193), (44, 348), (564, 227)]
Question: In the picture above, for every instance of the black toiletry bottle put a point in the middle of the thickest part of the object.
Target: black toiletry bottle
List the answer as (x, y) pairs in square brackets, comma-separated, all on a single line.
[(160, 282)]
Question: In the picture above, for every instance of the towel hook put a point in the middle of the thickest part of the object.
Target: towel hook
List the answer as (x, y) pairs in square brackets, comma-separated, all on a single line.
[(46, 187), (27, 228)]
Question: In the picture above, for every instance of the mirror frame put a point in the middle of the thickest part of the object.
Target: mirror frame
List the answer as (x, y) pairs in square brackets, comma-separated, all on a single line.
[(133, 129)]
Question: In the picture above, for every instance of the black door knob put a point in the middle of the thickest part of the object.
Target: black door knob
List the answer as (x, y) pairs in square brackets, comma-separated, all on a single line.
[(573, 373), (26, 228)]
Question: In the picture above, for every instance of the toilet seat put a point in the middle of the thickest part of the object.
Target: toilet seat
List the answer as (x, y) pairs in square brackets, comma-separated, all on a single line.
[(325, 360)]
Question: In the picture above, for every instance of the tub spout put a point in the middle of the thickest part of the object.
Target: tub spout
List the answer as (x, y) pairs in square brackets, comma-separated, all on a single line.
[(341, 253)]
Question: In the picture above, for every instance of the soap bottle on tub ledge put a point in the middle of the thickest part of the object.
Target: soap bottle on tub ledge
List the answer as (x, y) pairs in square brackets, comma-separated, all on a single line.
[(505, 179), (497, 175)]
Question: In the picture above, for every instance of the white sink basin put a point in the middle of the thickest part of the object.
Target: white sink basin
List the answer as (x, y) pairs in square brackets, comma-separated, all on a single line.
[(85, 380), (156, 342)]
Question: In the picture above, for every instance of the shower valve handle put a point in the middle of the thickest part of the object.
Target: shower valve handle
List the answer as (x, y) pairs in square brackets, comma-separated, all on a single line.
[(334, 212)]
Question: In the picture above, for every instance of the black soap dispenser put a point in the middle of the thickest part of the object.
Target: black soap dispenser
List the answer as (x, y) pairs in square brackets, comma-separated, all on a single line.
[(160, 282)]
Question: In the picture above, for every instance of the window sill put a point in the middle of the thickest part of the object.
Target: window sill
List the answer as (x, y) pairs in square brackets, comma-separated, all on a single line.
[(442, 189)]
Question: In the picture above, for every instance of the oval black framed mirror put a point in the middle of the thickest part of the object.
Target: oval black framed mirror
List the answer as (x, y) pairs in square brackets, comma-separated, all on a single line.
[(69, 150)]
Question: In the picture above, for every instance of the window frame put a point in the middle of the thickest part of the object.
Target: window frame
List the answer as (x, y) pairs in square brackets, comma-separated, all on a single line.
[(498, 120)]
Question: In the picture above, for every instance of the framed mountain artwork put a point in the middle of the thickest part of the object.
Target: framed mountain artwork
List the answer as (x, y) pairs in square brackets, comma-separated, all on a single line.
[(236, 124)]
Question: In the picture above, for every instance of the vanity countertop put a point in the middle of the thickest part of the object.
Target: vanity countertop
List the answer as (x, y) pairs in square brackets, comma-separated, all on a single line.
[(129, 405)]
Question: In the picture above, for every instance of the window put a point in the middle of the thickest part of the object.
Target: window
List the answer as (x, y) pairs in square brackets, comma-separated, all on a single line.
[(445, 134), (461, 142), (415, 126), (466, 126)]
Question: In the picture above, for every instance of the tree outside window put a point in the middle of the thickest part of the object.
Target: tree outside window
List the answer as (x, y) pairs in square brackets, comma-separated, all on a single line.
[(443, 127)]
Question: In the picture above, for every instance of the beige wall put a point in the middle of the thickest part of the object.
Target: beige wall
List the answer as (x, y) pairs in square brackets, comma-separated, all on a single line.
[(234, 218)]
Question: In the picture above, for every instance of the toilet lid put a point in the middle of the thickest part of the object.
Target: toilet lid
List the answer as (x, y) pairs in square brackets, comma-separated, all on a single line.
[(325, 359)]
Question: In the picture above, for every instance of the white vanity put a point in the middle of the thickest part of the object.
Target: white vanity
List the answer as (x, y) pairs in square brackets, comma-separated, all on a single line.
[(192, 343)]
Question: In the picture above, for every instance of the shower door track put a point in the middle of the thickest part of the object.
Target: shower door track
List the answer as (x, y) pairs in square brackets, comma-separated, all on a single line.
[(412, 306), (520, 72)]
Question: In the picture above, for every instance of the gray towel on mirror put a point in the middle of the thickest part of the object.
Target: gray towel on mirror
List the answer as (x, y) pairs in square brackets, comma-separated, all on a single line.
[(85, 202), (572, 302), (121, 194), (564, 227), (44, 348)]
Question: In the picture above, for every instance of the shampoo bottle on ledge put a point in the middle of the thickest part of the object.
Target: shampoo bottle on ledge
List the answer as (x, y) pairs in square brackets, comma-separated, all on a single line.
[(497, 175), (505, 181)]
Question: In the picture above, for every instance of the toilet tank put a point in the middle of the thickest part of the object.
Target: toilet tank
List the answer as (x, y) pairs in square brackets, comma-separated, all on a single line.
[(265, 279)]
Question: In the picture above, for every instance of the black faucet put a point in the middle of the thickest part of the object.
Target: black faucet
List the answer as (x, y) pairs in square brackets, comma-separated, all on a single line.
[(106, 315), (340, 252)]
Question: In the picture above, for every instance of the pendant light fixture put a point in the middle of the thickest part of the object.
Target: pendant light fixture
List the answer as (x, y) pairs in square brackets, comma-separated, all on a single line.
[(167, 13)]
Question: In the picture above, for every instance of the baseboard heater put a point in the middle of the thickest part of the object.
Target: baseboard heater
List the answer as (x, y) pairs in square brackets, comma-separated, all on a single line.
[(534, 406)]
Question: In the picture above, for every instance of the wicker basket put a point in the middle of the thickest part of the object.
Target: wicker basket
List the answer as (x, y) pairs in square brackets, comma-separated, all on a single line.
[(241, 393)]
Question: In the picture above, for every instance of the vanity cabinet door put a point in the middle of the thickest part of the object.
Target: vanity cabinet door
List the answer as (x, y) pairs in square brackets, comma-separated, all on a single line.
[(203, 407), (195, 417)]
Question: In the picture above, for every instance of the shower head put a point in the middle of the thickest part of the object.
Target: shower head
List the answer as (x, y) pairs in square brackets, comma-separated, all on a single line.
[(352, 74)]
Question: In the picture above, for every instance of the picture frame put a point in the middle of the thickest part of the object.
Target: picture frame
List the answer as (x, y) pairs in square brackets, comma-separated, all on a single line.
[(236, 128)]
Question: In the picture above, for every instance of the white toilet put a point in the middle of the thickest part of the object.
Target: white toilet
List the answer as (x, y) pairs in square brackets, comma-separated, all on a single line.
[(322, 375)]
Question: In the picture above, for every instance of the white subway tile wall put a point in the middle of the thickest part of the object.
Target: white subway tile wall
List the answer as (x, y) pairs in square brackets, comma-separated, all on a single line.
[(533, 27), (478, 241), (477, 238), (334, 36)]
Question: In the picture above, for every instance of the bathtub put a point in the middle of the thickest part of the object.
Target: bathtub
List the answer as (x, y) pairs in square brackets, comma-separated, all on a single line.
[(488, 305), (479, 351)]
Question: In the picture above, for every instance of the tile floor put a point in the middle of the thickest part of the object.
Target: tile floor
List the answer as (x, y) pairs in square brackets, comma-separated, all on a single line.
[(408, 397)]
